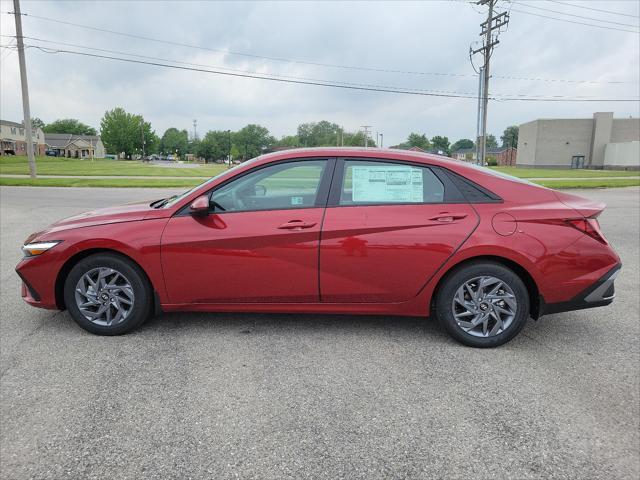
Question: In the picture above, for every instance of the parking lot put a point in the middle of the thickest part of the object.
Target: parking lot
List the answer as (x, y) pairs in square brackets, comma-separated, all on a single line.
[(302, 396)]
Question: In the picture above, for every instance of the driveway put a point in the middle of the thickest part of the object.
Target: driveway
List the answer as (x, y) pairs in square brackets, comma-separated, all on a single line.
[(301, 396)]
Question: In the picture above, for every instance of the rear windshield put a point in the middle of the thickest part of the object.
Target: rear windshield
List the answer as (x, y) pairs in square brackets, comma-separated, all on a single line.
[(499, 174)]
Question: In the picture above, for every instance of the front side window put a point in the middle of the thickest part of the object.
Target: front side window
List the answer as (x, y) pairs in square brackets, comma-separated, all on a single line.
[(389, 183), (276, 187)]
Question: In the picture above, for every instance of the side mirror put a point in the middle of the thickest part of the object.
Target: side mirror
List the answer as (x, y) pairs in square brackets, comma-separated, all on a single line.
[(200, 206), (260, 190)]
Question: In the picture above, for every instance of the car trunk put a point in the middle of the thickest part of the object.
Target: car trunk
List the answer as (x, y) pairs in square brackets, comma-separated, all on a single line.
[(585, 207)]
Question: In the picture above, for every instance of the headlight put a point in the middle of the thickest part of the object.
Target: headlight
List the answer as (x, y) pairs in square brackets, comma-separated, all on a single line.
[(38, 248)]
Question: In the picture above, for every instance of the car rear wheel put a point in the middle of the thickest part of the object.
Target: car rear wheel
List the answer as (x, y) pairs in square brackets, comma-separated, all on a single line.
[(483, 304), (107, 294)]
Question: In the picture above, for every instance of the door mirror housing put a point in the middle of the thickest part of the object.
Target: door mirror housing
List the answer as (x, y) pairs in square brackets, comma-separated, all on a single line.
[(200, 206)]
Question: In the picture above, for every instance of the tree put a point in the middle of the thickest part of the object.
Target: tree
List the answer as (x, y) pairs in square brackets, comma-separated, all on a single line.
[(252, 140), (510, 136), (124, 132), (174, 141), (151, 139), (69, 125), (418, 140), (37, 123), (320, 134), (214, 145), (288, 141), (462, 144), (441, 143), (356, 139), (491, 141)]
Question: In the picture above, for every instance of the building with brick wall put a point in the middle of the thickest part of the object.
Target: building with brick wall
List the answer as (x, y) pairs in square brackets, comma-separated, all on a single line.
[(13, 139)]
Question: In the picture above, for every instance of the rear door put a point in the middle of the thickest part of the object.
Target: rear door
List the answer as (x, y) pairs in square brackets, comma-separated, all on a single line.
[(388, 228)]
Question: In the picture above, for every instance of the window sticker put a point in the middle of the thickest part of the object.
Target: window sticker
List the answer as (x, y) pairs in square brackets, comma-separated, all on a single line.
[(388, 183), (297, 200)]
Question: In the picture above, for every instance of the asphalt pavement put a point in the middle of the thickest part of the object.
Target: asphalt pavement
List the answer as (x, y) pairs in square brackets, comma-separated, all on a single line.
[(302, 396)]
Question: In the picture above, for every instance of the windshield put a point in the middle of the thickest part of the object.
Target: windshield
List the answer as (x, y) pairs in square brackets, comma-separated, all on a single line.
[(171, 201)]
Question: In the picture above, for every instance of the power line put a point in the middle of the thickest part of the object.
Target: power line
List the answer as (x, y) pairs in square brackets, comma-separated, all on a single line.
[(317, 64), (9, 49), (243, 54), (567, 4), (572, 21), (325, 83), (235, 70), (574, 15), (289, 77)]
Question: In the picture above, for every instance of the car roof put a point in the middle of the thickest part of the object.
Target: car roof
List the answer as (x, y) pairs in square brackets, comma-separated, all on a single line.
[(362, 152)]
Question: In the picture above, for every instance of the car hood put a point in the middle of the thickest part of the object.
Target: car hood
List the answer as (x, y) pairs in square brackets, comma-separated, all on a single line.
[(122, 213)]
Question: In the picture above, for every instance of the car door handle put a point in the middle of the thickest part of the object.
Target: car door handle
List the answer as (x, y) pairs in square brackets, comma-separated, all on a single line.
[(447, 217), (296, 224)]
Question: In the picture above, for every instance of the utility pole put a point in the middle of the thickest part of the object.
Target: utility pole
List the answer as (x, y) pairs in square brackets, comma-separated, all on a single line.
[(479, 118), (142, 134), (381, 139), (366, 135), (195, 131), (25, 89), (490, 31)]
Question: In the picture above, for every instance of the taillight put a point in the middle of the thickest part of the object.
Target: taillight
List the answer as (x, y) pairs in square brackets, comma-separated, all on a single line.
[(588, 226)]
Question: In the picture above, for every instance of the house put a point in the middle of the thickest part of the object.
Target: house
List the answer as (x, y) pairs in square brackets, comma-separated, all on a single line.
[(13, 139), (433, 151), (505, 156), (75, 146), (465, 154), (598, 142)]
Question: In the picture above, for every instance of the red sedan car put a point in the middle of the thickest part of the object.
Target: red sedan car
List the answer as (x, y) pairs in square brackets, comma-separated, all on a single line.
[(332, 230)]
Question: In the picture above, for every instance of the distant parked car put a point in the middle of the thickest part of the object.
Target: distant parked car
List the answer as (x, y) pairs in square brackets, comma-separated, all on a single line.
[(51, 153), (170, 158), (333, 230)]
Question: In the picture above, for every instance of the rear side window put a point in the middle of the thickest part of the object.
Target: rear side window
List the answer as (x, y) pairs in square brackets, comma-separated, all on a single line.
[(377, 183), (473, 192)]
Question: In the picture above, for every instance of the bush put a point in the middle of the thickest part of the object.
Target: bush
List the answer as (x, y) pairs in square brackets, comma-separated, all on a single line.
[(492, 161)]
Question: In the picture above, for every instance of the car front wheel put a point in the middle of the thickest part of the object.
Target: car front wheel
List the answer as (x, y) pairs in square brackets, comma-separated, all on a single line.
[(107, 294), (483, 304)]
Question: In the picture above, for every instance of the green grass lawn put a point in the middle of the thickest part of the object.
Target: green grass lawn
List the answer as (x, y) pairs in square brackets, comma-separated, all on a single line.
[(193, 176), (18, 165), (564, 173), (590, 183), (100, 182)]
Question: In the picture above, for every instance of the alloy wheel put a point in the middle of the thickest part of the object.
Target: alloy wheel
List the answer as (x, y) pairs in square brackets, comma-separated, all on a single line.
[(104, 296), (484, 306)]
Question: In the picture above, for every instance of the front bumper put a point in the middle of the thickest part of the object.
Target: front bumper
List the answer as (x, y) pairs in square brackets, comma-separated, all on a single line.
[(599, 294), (38, 275)]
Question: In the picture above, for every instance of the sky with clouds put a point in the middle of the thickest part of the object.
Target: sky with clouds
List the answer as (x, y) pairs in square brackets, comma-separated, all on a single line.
[(429, 37)]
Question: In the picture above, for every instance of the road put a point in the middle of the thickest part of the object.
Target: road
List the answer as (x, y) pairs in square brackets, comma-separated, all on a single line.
[(299, 396)]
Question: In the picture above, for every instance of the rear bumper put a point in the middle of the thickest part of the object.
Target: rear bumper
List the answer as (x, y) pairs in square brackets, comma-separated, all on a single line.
[(601, 293)]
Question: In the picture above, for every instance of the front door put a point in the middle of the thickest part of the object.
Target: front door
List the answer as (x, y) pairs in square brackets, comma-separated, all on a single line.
[(390, 228), (258, 244)]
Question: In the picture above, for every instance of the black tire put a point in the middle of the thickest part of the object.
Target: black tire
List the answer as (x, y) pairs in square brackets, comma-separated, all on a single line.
[(143, 294), (458, 277)]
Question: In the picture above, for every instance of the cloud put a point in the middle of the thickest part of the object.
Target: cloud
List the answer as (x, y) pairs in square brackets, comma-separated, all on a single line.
[(416, 36)]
